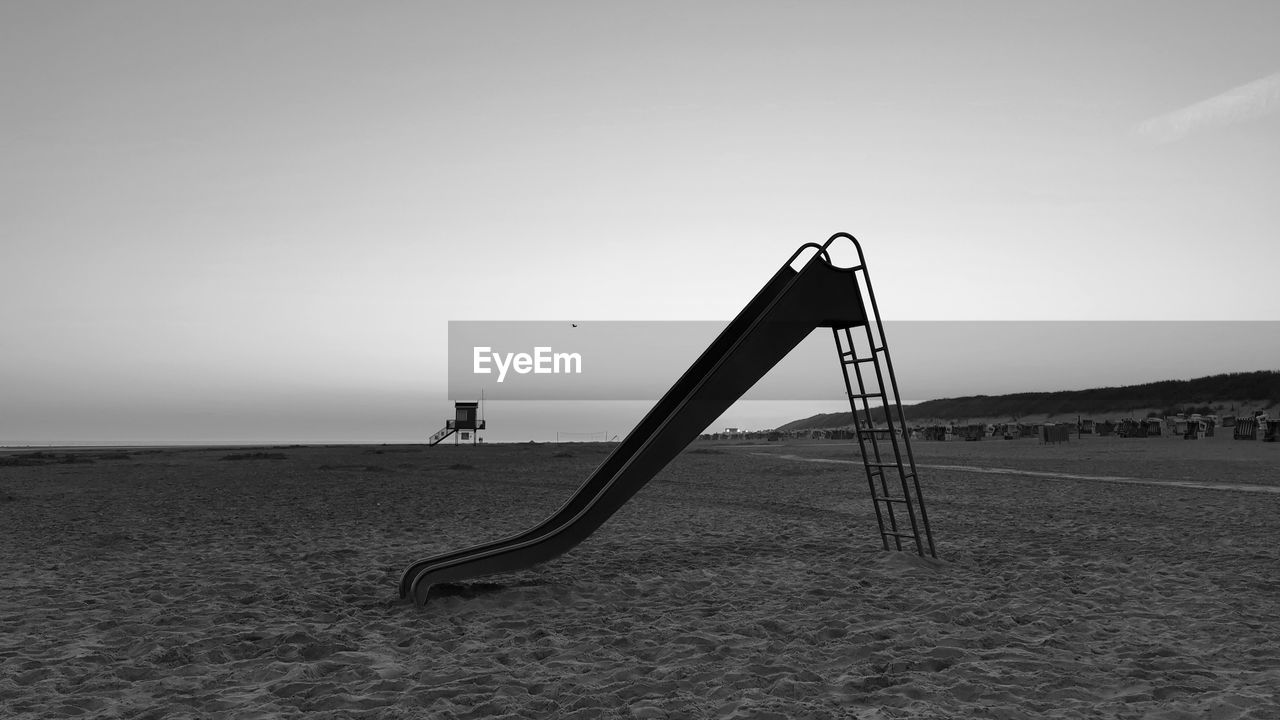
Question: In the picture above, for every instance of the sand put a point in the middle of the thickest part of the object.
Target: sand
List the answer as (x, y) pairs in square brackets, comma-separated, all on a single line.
[(177, 583)]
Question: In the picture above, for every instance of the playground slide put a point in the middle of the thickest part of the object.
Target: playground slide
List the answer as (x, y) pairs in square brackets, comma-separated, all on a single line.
[(780, 316)]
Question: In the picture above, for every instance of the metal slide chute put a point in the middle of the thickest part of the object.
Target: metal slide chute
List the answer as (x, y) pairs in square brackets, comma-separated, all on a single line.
[(790, 306)]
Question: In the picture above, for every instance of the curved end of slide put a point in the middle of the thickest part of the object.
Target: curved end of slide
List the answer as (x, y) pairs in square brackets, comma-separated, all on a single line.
[(420, 589), (407, 577)]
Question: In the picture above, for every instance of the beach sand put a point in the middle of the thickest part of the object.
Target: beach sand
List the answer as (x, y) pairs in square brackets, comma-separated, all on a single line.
[(261, 582)]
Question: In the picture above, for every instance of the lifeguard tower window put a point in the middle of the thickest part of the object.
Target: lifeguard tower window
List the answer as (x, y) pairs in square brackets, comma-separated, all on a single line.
[(464, 414)]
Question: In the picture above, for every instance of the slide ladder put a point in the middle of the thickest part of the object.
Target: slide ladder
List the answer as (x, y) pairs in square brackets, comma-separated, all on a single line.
[(885, 442)]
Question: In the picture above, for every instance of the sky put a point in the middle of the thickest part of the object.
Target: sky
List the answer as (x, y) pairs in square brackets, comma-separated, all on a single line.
[(246, 221)]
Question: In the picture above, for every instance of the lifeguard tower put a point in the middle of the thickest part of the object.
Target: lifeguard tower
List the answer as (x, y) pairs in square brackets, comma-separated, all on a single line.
[(464, 426)]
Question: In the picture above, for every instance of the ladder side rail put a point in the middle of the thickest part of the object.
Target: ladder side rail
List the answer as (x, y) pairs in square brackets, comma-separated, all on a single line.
[(906, 441), (897, 457)]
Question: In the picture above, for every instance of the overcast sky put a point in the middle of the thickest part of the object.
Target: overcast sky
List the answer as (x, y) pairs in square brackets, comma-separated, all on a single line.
[(253, 220)]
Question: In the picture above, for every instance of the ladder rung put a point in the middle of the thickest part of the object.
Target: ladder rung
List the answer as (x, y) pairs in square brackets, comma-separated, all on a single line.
[(885, 465), (877, 430), (866, 395), (902, 500), (878, 471)]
